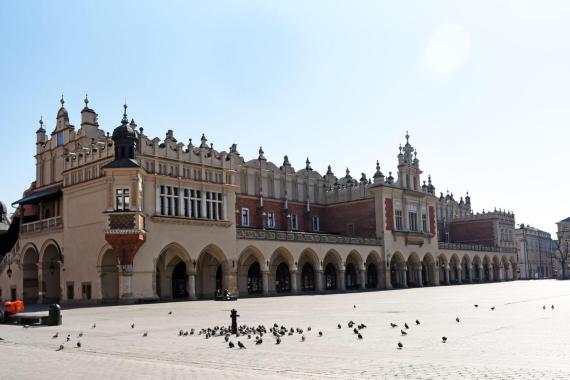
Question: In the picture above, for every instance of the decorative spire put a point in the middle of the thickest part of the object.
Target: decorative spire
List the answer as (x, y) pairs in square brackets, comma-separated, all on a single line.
[(407, 137), (329, 170), (125, 118), (286, 161), (204, 141), (61, 100), (363, 178), (390, 179), (378, 173), (41, 122), (86, 101), (261, 157), (348, 173), (308, 164)]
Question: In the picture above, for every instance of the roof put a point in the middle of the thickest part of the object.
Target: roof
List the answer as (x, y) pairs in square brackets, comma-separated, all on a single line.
[(123, 163), (35, 198), (567, 220)]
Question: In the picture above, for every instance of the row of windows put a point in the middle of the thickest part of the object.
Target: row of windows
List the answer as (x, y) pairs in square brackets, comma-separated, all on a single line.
[(506, 234), (190, 173), (190, 203), (86, 174), (412, 222), (272, 223)]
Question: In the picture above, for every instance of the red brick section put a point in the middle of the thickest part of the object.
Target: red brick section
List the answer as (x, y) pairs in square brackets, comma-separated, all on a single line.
[(389, 206), (473, 232), (336, 219), (125, 246), (432, 220)]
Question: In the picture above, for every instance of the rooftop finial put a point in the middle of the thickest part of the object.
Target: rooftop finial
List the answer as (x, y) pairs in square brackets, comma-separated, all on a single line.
[(377, 165), (308, 164), (261, 156), (41, 120), (125, 119), (407, 137), (61, 100), (86, 101)]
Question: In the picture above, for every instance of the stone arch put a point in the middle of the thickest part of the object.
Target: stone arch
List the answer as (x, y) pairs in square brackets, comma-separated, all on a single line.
[(374, 269), (212, 274), (476, 269), (413, 265), (428, 270), (443, 265), (109, 275), (496, 268), (332, 266), (466, 269), (281, 266), (487, 269), (398, 269), (251, 265), (505, 268), (172, 267), (50, 261), (30, 282), (514, 272), (354, 273), (454, 269), (308, 265)]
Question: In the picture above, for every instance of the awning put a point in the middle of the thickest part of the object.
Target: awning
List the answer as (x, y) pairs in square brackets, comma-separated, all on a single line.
[(38, 196)]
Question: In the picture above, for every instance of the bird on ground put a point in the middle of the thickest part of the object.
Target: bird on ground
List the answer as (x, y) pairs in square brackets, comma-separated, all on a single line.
[(185, 333), (457, 319), (552, 307), (354, 306), (444, 339), (240, 345), (94, 325), (231, 344), (55, 335), (145, 334), (26, 326), (350, 324), (492, 307), (359, 336), (339, 326), (417, 322), (278, 340), (60, 347), (309, 328), (406, 326), (191, 331), (169, 313), (320, 333), (303, 338), (393, 324), (227, 338), (400, 345), (249, 336), (355, 330), (80, 334), (78, 344), (133, 326), (543, 307), (476, 305), (259, 341), (180, 333), (403, 332), (68, 338)]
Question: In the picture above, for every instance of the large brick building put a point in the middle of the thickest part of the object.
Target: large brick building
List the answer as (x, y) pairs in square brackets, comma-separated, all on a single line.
[(123, 217)]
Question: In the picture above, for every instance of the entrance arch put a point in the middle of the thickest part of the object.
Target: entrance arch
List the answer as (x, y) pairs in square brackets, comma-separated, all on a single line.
[(180, 281), (308, 261), (398, 271), (211, 271), (30, 284), (443, 270), (254, 279), (250, 271), (487, 271), (414, 271), (454, 270), (466, 269), (428, 270), (171, 273), (109, 275), (282, 278), (373, 267), (332, 263), (51, 260), (353, 270), (280, 270), (476, 269)]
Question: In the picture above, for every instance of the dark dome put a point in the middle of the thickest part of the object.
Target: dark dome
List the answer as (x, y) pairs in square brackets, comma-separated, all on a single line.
[(124, 132)]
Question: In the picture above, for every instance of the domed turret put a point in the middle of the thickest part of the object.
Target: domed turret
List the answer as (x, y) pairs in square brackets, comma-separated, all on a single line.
[(125, 141)]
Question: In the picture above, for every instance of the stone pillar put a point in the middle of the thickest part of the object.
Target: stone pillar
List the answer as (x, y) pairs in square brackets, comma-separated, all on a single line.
[(491, 273), (126, 284), (363, 278), (446, 271), (265, 282), (481, 273), (419, 277), (459, 274), (435, 275), (319, 284), (230, 282), (387, 277), (192, 286), (405, 276), (342, 282), (293, 274), (469, 278)]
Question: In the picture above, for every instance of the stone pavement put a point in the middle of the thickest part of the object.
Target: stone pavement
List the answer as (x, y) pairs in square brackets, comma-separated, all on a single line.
[(518, 340)]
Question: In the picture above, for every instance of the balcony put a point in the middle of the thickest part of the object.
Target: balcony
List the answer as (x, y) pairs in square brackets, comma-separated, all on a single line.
[(305, 237), (475, 247), (413, 237), (44, 225), (125, 222)]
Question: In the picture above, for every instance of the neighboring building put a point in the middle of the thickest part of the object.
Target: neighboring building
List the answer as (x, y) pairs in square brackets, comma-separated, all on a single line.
[(449, 209), (4, 221), (125, 218), (535, 253), (563, 247)]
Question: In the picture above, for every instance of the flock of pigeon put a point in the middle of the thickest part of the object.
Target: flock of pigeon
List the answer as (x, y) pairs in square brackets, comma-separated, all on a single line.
[(276, 332)]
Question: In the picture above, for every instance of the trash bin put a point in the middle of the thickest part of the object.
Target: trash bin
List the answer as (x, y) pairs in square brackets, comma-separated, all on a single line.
[(54, 317)]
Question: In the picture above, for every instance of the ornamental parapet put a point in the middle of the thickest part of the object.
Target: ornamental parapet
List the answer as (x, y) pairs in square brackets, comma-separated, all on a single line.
[(125, 222), (306, 237), (44, 225), (475, 247)]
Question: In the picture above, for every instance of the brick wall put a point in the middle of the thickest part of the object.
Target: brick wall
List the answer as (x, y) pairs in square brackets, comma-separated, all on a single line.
[(389, 206), (473, 232), (360, 214)]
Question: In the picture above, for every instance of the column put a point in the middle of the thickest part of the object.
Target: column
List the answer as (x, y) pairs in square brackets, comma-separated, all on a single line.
[(481, 274), (435, 275), (342, 282), (41, 284), (469, 273), (192, 286), (293, 281), (265, 282), (446, 269), (491, 273), (419, 277), (387, 276), (230, 282), (126, 283), (405, 277), (319, 284), (459, 274), (363, 278)]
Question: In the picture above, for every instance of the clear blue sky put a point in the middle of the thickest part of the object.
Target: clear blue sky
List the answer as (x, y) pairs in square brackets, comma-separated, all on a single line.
[(483, 88)]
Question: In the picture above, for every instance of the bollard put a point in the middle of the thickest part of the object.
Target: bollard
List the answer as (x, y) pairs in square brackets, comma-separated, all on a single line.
[(54, 316), (234, 315)]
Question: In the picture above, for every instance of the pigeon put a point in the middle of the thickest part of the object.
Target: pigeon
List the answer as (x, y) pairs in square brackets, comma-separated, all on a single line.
[(403, 332), (393, 324), (339, 326), (543, 307), (417, 322), (259, 341), (249, 336), (552, 307), (191, 331), (355, 330), (227, 338), (133, 326), (169, 313), (457, 319), (60, 347), (444, 339), (320, 333), (354, 306), (240, 345), (68, 338), (231, 344), (145, 334), (94, 325), (278, 340), (80, 335), (476, 305), (55, 335), (26, 326), (406, 326), (359, 336), (78, 344), (400, 345), (303, 338), (492, 307), (309, 328)]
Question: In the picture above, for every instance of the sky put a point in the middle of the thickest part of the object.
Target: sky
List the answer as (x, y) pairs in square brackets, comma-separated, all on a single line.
[(483, 87)]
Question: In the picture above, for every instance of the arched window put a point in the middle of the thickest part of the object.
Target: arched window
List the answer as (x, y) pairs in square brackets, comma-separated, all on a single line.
[(371, 276), (308, 277), (330, 277), (282, 279), (254, 280)]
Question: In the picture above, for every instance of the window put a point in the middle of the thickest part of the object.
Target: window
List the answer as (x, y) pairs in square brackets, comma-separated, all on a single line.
[(192, 203), (70, 291), (59, 138), (245, 217), (122, 199), (424, 223), (86, 291), (316, 223), (412, 218), (270, 219), (294, 222), (350, 229), (214, 202), (169, 200), (399, 220)]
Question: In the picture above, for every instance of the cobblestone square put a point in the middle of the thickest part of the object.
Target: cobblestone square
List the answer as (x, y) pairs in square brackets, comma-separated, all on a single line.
[(517, 340)]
